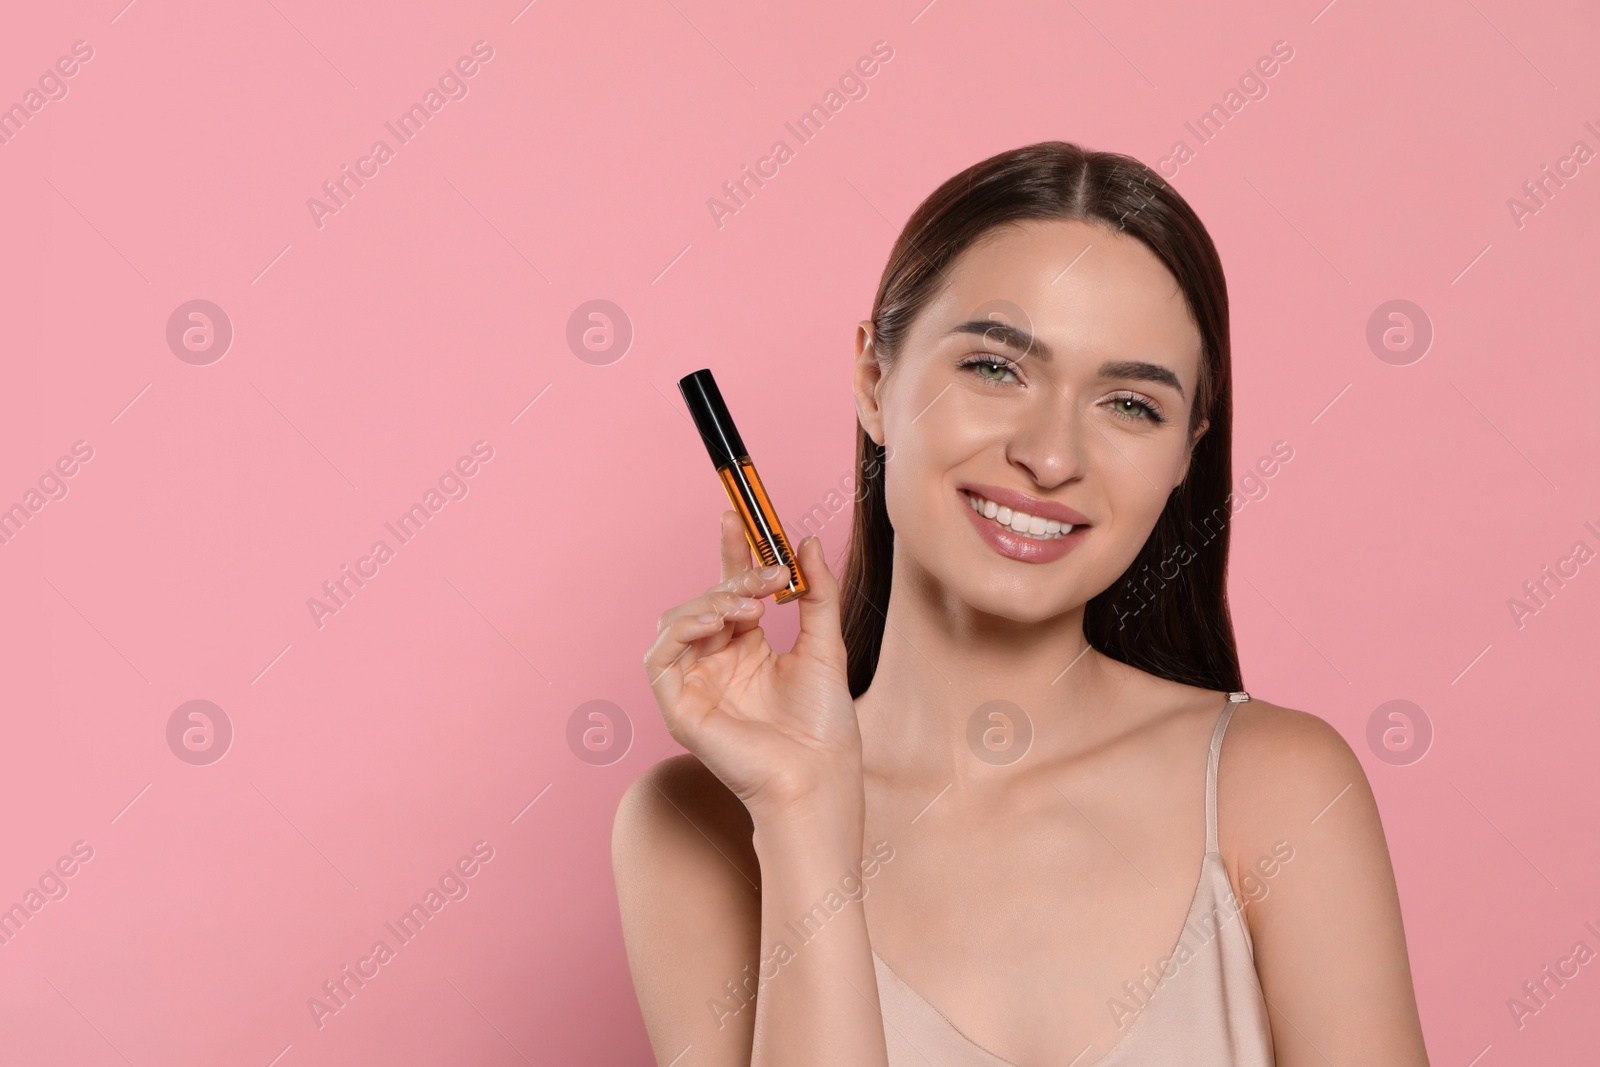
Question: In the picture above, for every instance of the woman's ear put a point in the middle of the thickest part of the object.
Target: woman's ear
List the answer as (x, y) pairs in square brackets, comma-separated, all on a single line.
[(867, 380)]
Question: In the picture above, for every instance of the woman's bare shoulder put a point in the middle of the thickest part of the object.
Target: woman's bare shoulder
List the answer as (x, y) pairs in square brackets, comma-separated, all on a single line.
[(678, 812), (1282, 746), (1284, 771)]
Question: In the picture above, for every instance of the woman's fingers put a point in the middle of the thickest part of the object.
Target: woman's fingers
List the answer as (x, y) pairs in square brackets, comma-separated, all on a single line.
[(706, 624), (735, 546), (728, 599), (820, 634), (672, 653), (736, 565), (736, 601), (745, 615), (724, 597)]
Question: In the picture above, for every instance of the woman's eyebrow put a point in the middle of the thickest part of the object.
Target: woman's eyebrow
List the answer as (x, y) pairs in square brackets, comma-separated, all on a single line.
[(1020, 340), (1140, 371)]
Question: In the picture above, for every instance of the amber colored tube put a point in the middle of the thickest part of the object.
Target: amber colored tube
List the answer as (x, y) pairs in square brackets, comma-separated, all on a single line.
[(761, 526)]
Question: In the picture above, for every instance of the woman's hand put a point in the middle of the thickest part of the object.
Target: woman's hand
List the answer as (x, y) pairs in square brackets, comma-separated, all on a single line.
[(779, 730)]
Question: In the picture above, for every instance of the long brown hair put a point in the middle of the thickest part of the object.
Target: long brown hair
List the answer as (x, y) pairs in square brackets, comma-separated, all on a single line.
[(1167, 614)]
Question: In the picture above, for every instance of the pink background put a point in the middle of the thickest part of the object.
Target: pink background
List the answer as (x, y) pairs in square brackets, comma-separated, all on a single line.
[(369, 353)]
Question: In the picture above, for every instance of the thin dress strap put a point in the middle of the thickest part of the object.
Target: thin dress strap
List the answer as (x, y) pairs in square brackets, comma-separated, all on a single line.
[(1234, 700)]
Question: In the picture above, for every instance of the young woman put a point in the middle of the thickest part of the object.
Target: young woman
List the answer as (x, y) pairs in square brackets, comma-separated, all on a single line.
[(981, 813)]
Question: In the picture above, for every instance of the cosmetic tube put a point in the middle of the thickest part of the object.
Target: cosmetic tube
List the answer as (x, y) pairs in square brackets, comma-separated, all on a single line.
[(739, 479)]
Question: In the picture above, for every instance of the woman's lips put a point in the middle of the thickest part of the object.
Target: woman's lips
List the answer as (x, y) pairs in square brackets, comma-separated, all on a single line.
[(1017, 546), (1024, 502)]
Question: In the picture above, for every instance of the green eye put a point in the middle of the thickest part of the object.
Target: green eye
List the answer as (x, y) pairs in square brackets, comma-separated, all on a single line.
[(1139, 410), (983, 365)]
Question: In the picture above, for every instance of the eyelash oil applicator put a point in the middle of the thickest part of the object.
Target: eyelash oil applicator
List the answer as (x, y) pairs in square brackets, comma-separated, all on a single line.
[(739, 478)]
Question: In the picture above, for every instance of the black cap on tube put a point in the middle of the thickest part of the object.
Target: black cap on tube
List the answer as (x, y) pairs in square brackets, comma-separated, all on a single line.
[(711, 417)]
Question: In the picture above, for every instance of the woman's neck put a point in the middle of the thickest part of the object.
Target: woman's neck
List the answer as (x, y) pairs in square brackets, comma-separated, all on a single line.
[(941, 661)]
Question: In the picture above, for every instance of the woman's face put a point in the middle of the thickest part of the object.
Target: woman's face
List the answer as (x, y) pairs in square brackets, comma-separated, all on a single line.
[(1056, 370)]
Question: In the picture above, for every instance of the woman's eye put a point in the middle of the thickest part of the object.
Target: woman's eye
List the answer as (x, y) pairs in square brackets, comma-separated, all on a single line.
[(1133, 408), (990, 370)]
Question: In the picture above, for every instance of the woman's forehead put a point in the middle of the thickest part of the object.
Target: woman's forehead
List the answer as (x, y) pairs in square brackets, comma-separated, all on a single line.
[(1075, 287)]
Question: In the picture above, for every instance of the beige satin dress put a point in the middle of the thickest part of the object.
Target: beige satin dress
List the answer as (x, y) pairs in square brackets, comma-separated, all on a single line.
[(1207, 1012)]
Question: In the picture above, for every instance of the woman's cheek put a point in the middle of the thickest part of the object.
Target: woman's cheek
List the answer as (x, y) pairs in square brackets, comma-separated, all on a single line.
[(906, 482)]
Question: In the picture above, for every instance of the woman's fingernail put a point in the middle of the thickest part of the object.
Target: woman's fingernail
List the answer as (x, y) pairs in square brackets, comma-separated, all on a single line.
[(706, 616), (771, 572), (745, 603)]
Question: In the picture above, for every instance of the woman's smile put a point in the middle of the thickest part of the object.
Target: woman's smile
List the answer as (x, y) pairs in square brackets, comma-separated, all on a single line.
[(1019, 535)]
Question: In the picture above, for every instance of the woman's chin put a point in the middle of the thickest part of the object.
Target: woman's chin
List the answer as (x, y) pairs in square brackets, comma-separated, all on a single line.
[(1006, 599)]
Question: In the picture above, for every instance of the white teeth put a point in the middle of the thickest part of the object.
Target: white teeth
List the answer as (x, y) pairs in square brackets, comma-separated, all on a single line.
[(1018, 522)]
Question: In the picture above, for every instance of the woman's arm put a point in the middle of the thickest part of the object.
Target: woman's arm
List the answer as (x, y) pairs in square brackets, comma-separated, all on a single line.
[(1330, 947), (688, 887), (739, 975), (739, 869)]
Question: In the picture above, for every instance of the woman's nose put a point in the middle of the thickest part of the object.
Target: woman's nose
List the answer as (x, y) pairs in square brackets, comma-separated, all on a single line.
[(1047, 441)]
